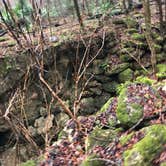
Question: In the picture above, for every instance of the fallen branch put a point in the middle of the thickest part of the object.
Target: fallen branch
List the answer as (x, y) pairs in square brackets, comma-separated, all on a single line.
[(61, 102)]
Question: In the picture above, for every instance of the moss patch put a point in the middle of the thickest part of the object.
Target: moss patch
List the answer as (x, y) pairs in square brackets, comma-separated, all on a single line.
[(110, 87), (125, 138), (29, 163), (128, 113), (144, 152), (117, 69), (100, 137), (92, 160), (126, 75), (161, 71), (105, 106), (138, 37), (145, 80)]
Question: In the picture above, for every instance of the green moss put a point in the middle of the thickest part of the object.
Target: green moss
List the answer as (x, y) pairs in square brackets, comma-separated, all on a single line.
[(126, 75), (159, 40), (125, 138), (3, 38), (100, 137), (145, 80), (125, 58), (105, 106), (29, 163), (161, 57), (118, 21), (128, 114), (110, 87), (157, 48), (138, 37), (144, 152), (131, 23), (128, 49), (92, 160), (141, 45), (11, 43), (117, 69), (163, 164), (132, 30), (161, 68)]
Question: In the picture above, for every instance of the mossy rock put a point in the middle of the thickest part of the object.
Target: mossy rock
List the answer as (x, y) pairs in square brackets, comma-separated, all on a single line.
[(128, 48), (92, 160), (142, 45), (11, 43), (163, 164), (159, 40), (131, 23), (3, 38), (129, 45), (110, 87), (128, 113), (138, 37), (158, 48), (125, 58), (87, 106), (132, 30), (105, 107), (119, 21), (125, 138), (138, 15), (102, 78), (144, 152), (97, 66), (161, 68), (126, 75), (161, 57), (29, 163), (100, 137), (145, 80), (117, 69)]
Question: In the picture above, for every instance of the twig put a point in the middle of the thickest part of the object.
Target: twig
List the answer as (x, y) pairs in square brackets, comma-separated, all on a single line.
[(10, 105), (103, 159)]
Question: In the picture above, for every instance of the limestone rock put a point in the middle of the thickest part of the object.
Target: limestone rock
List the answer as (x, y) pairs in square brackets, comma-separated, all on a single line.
[(100, 137), (145, 151), (117, 69), (126, 75), (128, 113)]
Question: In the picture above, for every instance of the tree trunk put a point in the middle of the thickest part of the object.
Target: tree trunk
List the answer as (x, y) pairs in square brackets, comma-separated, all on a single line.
[(147, 15), (78, 13)]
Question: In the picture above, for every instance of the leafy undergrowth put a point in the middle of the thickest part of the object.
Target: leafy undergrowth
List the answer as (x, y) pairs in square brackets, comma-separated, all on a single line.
[(71, 150)]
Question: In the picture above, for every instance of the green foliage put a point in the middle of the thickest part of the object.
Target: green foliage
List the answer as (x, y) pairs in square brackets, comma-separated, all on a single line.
[(102, 8), (22, 9)]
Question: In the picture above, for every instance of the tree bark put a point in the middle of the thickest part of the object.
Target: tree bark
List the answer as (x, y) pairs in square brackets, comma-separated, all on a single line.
[(147, 15), (159, 6), (76, 6)]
